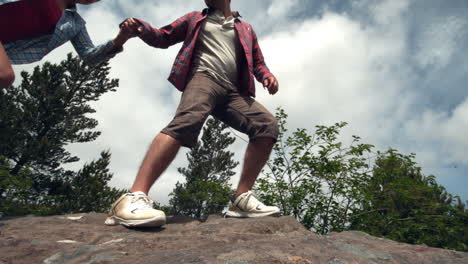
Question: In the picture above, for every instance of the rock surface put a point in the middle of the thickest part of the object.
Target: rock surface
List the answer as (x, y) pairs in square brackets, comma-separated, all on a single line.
[(84, 239)]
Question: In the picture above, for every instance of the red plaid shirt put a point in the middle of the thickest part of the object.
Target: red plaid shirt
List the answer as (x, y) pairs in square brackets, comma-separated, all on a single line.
[(186, 29)]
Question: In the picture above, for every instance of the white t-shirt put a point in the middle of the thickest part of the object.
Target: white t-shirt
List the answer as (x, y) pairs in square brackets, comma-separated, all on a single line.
[(218, 49)]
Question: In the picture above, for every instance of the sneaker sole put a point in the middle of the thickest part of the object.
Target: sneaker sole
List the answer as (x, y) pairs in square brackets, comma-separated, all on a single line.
[(240, 214), (153, 222)]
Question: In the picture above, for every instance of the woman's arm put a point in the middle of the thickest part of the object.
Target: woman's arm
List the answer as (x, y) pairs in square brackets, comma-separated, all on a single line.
[(97, 54), (2, 2)]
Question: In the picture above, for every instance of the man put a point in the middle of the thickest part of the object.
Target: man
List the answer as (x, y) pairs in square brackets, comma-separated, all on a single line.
[(214, 69)]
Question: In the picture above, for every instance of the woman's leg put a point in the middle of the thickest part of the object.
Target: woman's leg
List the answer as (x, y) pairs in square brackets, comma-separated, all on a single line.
[(7, 75)]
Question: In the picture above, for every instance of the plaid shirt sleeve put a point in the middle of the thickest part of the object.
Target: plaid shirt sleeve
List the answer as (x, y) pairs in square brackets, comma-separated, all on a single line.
[(93, 54), (261, 70), (167, 35)]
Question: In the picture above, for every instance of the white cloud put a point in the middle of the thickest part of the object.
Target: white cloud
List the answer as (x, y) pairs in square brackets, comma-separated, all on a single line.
[(332, 68), (278, 8), (440, 41), (337, 68), (446, 129), (386, 12)]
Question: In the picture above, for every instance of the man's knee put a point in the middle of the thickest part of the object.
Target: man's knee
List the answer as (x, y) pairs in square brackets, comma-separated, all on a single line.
[(273, 128), (266, 128), (7, 78)]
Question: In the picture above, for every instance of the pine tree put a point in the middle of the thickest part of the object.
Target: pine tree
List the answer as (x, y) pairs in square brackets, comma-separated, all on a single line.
[(38, 119), (210, 168), (88, 191)]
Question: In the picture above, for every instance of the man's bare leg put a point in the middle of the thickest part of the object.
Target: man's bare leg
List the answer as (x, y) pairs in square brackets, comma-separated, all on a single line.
[(136, 209), (257, 154), (245, 204), (161, 153), (7, 75)]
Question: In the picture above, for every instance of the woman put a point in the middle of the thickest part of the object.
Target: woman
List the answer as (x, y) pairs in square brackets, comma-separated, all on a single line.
[(30, 29)]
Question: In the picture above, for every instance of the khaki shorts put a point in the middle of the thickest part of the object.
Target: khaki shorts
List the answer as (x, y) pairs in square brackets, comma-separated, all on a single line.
[(203, 96)]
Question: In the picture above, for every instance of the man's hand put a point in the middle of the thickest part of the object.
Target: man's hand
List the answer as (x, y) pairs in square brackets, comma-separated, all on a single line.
[(271, 83), (132, 27), (129, 28)]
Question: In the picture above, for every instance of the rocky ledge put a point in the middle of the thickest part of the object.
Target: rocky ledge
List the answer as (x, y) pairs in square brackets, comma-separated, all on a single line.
[(84, 239)]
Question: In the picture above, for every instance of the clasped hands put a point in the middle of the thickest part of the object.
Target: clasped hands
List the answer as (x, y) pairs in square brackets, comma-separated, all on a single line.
[(129, 28)]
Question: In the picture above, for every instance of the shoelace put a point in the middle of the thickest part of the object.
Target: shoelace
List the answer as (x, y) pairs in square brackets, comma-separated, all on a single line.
[(250, 195), (142, 202)]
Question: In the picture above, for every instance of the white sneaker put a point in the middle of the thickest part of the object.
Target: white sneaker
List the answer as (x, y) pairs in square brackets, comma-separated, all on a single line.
[(135, 209), (246, 205)]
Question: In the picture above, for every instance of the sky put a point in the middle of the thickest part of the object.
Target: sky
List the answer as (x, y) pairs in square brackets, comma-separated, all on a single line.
[(395, 70)]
